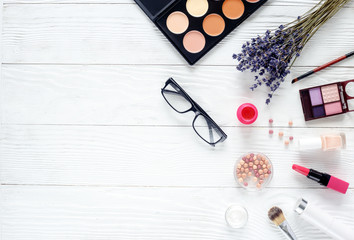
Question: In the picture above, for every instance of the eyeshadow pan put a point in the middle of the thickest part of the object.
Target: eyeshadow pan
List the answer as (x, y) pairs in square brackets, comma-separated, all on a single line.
[(330, 93), (213, 24), (318, 111), (315, 96), (233, 9), (335, 100), (197, 8), (252, 1), (194, 41), (177, 22), (333, 108)]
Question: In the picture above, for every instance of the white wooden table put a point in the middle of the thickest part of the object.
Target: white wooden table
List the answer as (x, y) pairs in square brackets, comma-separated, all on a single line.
[(90, 150)]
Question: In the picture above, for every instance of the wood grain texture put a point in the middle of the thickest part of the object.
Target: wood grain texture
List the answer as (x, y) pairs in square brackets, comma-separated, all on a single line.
[(156, 213), (130, 95), (90, 150), (156, 156), (81, 33), (269, 2)]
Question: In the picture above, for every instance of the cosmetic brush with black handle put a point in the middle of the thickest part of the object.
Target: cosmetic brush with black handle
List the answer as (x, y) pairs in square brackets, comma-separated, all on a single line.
[(322, 67)]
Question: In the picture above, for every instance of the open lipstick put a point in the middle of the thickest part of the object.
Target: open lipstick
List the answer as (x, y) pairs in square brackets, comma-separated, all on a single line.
[(323, 179)]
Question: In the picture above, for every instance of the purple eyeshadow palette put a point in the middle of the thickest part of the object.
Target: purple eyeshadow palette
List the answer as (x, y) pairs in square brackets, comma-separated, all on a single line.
[(325, 101), (194, 27)]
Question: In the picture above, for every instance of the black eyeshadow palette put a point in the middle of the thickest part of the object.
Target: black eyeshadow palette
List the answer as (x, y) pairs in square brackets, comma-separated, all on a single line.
[(194, 27)]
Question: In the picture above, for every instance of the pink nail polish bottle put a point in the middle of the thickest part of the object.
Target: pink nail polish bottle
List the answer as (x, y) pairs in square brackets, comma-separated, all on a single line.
[(326, 142), (247, 113)]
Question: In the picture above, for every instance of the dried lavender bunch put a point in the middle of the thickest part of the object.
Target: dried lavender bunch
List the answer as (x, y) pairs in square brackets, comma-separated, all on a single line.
[(271, 56)]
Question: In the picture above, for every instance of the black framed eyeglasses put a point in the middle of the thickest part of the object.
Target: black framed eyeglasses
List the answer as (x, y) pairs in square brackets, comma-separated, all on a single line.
[(202, 124)]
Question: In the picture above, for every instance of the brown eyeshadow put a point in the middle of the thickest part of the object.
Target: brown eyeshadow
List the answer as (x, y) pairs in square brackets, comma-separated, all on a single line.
[(233, 9), (213, 24)]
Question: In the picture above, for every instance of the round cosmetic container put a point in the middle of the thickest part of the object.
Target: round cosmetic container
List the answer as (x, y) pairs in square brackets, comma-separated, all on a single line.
[(253, 171), (236, 216), (247, 113)]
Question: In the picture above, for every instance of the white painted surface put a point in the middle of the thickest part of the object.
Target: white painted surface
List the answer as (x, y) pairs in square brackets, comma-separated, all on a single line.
[(90, 150)]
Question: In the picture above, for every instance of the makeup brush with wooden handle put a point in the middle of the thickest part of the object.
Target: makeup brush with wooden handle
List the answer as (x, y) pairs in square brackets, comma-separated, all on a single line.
[(276, 215)]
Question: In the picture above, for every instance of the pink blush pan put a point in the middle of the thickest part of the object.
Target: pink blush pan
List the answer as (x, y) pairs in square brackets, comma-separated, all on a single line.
[(194, 41), (333, 108)]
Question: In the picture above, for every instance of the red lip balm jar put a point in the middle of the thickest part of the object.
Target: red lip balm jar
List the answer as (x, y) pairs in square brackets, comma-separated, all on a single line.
[(247, 113)]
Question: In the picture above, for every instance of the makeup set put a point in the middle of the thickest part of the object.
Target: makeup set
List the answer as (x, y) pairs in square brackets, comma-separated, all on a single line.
[(194, 27), (325, 101)]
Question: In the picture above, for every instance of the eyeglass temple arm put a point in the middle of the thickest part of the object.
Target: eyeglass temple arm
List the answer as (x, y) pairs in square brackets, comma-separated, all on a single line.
[(211, 135)]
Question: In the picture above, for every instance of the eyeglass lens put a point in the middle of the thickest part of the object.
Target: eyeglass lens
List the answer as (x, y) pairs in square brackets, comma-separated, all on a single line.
[(206, 129), (176, 98)]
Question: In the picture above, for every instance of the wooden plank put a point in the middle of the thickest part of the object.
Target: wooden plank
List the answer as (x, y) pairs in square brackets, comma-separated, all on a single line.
[(130, 95), (122, 34), (156, 156), (34, 212), (270, 2)]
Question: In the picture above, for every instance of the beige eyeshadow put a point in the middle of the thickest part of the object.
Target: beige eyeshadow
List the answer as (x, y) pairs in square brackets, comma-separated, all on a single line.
[(233, 9), (213, 24), (197, 8), (177, 22), (194, 41), (330, 93)]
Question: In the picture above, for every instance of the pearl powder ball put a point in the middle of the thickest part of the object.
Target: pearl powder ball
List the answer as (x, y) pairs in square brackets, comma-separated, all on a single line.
[(252, 171)]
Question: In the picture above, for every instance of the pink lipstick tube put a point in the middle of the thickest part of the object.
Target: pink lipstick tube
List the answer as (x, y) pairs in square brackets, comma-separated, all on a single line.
[(323, 179)]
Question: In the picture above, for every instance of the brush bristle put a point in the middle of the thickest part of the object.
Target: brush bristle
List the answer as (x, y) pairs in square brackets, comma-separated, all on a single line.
[(276, 215)]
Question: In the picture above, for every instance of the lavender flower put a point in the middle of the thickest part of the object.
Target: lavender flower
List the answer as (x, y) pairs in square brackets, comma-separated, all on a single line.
[(271, 56)]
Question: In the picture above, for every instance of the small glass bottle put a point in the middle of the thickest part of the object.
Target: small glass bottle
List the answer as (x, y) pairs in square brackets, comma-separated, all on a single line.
[(236, 216), (326, 142)]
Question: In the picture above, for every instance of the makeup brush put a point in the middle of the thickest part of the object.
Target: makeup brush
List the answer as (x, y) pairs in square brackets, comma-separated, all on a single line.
[(276, 215), (322, 67)]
